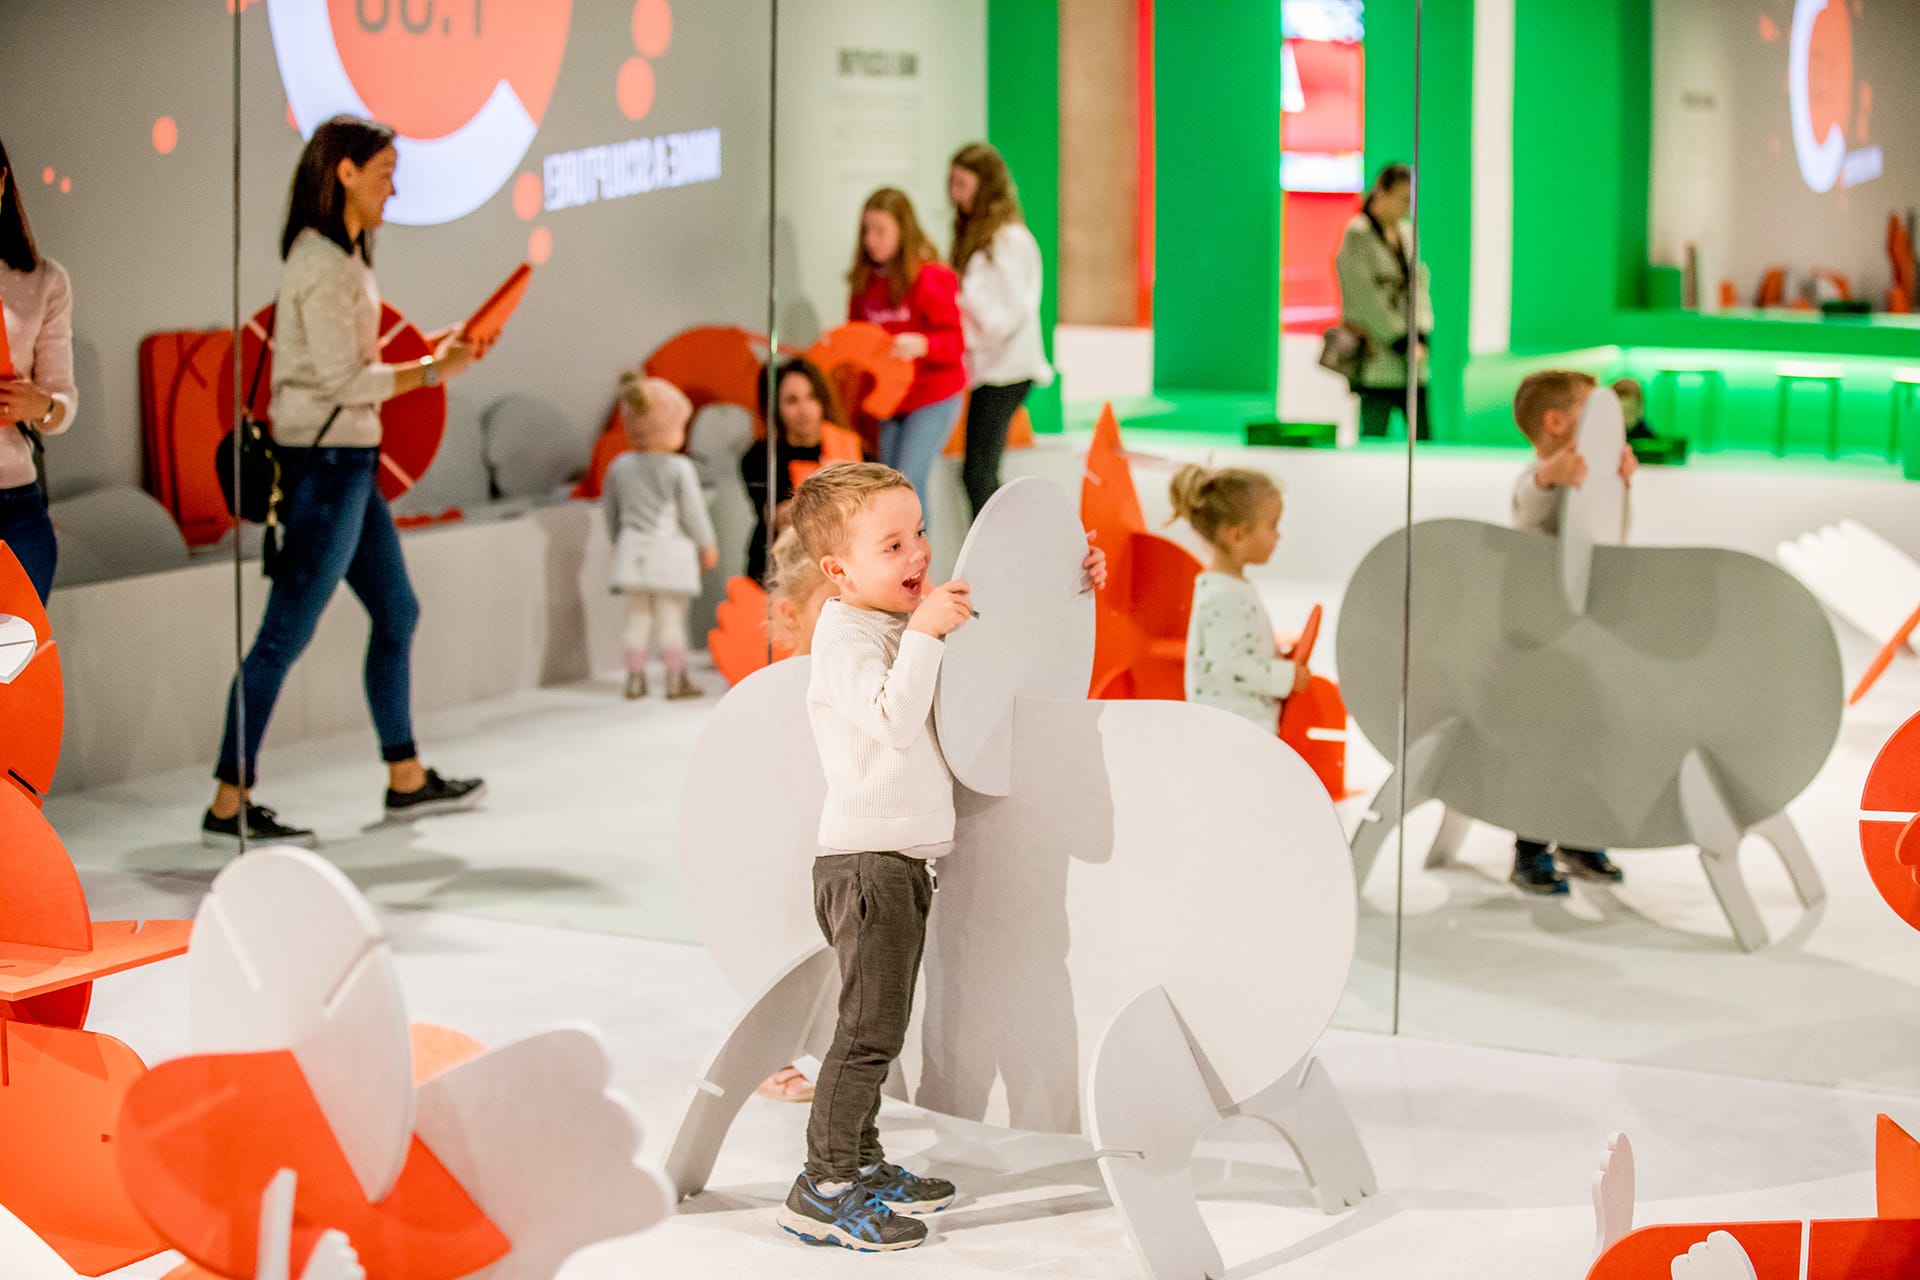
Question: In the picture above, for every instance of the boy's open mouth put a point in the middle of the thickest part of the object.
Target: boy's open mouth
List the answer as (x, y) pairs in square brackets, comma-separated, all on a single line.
[(914, 583)]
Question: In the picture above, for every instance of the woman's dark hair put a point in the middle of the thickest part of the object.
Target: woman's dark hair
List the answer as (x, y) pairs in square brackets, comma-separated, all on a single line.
[(318, 200), (822, 391), (1394, 175), (16, 237)]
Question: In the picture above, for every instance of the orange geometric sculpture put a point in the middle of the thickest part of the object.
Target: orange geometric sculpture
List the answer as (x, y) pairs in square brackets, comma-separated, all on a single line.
[(1314, 720), (201, 1136), (867, 377), (60, 1099), (738, 641), (1886, 1247), (716, 364), (60, 1086), (32, 708), (1140, 620), (1884, 659), (1889, 816)]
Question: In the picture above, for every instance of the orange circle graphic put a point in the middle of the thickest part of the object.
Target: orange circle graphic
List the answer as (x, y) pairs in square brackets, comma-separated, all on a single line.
[(652, 27), (528, 196), (634, 89), (1830, 71), (166, 135), (426, 67), (539, 246)]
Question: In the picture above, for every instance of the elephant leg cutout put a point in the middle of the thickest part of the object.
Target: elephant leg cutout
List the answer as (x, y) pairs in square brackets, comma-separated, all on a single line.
[(1454, 826), (1307, 1110), (1146, 1106), (1387, 807), (1780, 832), (1711, 824), (770, 1034)]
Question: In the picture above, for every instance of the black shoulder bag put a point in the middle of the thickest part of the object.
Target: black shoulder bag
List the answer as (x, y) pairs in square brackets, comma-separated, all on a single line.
[(261, 494)]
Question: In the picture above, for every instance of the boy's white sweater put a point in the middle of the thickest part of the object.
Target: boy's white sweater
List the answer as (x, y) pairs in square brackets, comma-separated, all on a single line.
[(870, 701)]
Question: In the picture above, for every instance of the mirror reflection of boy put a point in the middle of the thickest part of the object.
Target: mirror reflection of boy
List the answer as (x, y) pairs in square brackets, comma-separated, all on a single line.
[(1547, 408), (1633, 408)]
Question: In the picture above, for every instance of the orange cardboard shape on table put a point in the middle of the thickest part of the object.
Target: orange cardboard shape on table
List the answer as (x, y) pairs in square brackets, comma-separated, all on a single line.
[(738, 641), (1886, 1247), (1889, 816), (61, 1091), (487, 322), (201, 1137), (1648, 1253), (411, 425)]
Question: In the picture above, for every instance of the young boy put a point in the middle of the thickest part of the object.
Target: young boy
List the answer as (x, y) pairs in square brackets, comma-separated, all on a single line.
[(888, 814), (1547, 408)]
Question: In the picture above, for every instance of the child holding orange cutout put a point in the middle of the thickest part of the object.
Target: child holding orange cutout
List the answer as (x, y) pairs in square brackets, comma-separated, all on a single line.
[(1233, 660)]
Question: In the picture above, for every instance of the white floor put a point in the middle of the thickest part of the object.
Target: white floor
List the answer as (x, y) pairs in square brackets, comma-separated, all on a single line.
[(560, 899), (1485, 1158)]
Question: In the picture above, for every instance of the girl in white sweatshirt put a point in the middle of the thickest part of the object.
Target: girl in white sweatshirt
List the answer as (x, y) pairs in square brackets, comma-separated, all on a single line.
[(1233, 660), (998, 262)]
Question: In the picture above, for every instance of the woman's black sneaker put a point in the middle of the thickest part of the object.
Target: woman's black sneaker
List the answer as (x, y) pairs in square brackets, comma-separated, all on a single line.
[(439, 795), (262, 828)]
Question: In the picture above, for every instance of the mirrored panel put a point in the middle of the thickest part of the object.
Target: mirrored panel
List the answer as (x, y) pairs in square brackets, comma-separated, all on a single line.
[(1673, 410)]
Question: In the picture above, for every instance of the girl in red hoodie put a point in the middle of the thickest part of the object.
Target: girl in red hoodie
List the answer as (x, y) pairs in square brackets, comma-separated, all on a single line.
[(899, 283)]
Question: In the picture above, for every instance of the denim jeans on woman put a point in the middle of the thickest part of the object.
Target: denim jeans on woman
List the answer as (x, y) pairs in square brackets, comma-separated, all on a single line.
[(337, 527), (910, 442), (28, 533)]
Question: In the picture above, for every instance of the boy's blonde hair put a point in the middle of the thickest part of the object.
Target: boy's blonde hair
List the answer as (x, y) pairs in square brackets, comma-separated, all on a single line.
[(1216, 501), (653, 411), (793, 575), (1629, 391), (1543, 392), (829, 498)]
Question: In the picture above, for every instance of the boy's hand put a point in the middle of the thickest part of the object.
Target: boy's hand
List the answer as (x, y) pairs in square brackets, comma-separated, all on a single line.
[(1093, 568), (1565, 469), (1628, 465), (709, 557), (1301, 677), (945, 609)]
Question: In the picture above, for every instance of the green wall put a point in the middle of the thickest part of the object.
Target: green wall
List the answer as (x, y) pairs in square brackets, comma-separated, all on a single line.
[(1446, 164), (1582, 113), (1216, 297), (1023, 120)]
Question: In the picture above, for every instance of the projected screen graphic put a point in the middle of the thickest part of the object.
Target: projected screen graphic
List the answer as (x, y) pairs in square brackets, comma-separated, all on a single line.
[(1783, 139)]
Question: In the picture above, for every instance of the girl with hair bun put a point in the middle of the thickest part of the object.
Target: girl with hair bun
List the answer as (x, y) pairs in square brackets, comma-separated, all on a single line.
[(662, 534), (1233, 660)]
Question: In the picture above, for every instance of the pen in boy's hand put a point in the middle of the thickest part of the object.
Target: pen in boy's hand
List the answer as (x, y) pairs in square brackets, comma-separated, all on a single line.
[(975, 613)]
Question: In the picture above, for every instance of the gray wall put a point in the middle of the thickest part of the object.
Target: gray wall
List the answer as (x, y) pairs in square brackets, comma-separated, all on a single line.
[(148, 237)]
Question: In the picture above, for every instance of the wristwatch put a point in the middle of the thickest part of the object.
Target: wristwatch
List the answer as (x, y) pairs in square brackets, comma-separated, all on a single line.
[(46, 419), (429, 372)]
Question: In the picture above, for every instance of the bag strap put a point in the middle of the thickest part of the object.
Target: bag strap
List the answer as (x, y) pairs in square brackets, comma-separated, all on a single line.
[(327, 425), (260, 365), (39, 447)]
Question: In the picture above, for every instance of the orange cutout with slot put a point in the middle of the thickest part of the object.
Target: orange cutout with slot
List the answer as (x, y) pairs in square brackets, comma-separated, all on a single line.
[(201, 1137), (60, 1096)]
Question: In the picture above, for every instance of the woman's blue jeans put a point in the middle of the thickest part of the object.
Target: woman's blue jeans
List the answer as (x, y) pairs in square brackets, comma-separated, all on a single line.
[(337, 526), (28, 533), (910, 442)]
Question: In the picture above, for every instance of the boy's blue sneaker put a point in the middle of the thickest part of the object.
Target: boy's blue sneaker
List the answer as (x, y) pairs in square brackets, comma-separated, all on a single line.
[(1591, 864), (1533, 870), (905, 1192), (852, 1218)]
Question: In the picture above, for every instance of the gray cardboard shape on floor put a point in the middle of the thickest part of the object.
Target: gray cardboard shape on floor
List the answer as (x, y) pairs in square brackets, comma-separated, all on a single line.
[(1574, 727)]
